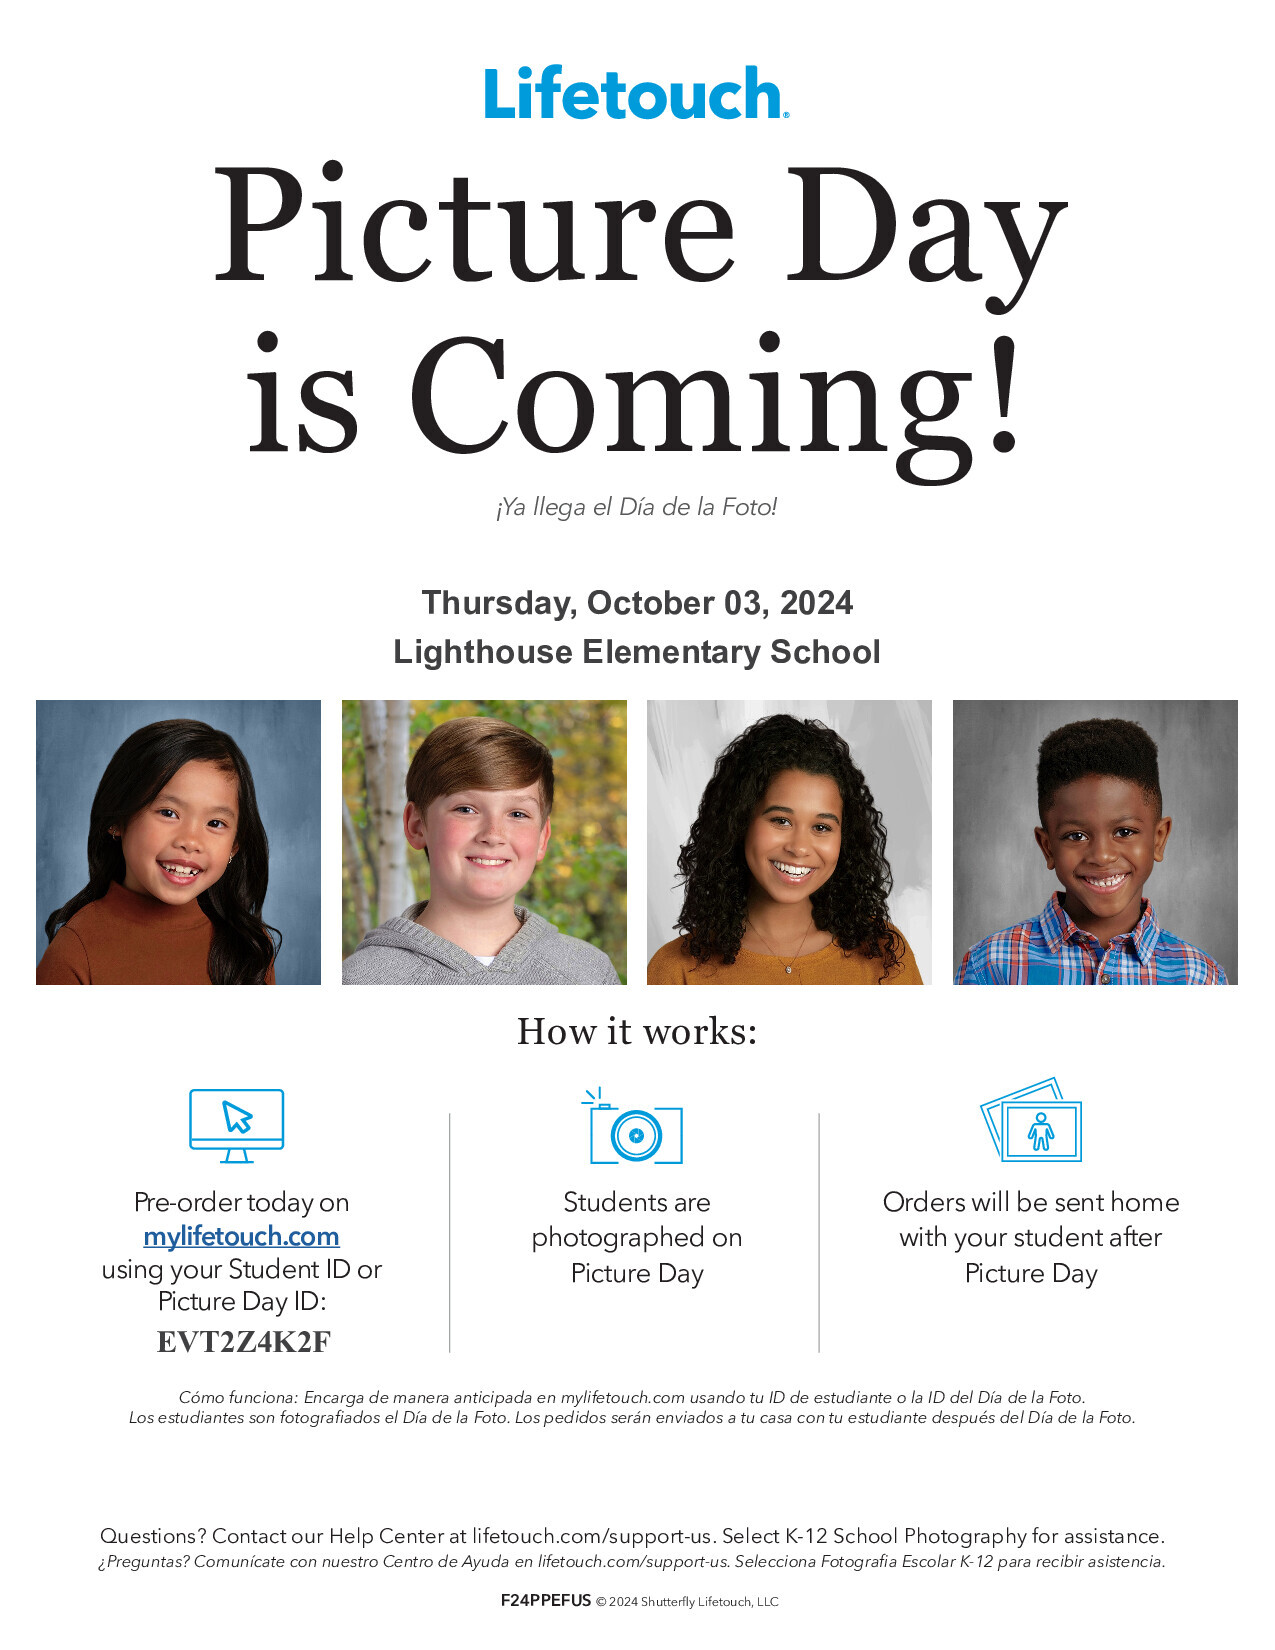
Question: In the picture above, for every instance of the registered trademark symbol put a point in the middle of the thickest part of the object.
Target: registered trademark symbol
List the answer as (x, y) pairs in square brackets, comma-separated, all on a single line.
[(785, 114)]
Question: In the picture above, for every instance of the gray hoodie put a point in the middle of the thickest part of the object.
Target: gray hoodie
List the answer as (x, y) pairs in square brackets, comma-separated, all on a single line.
[(401, 952)]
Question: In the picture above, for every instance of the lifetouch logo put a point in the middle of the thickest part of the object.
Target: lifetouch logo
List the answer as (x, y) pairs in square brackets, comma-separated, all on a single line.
[(581, 100)]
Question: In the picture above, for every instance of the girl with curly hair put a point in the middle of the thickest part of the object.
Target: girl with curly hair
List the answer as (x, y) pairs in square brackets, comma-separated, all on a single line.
[(785, 877)]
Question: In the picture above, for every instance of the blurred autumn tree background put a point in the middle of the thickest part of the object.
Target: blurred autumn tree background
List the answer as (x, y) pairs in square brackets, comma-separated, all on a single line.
[(579, 886)]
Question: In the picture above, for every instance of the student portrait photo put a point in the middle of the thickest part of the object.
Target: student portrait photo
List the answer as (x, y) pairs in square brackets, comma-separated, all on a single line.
[(484, 842), (788, 843), (1095, 843), (178, 843)]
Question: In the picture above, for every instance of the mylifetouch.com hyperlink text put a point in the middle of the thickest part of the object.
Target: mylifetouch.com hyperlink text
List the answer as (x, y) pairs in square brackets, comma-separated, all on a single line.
[(228, 1237)]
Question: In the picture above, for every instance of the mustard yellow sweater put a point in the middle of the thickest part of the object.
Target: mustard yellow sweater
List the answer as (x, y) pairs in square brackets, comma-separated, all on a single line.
[(131, 939), (672, 966)]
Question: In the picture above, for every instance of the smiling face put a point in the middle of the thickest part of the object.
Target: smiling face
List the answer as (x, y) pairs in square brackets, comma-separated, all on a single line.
[(178, 846), (794, 841), (1103, 837), (482, 845)]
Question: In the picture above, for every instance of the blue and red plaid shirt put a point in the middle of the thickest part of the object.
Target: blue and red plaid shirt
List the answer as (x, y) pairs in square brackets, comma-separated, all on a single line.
[(1051, 950)]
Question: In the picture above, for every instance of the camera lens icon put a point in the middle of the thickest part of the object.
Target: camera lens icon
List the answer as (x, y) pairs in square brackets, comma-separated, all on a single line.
[(636, 1135)]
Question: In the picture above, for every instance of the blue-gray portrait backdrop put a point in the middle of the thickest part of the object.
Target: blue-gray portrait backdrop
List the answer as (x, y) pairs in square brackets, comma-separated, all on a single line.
[(76, 738), (889, 739), (999, 874)]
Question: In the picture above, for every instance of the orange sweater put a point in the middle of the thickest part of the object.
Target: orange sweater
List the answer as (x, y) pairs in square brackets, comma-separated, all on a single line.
[(130, 939), (672, 966)]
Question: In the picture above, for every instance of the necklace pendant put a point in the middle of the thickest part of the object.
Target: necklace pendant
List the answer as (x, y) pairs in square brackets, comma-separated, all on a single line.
[(787, 970)]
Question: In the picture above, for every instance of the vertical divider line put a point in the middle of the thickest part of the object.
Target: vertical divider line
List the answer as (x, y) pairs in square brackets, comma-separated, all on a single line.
[(818, 1231), (449, 1232)]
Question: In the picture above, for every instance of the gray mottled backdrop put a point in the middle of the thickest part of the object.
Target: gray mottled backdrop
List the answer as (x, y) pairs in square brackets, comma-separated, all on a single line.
[(890, 741), (75, 739), (999, 875)]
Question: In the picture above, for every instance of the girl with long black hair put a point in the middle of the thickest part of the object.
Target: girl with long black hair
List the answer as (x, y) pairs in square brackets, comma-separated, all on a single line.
[(784, 874), (178, 863)]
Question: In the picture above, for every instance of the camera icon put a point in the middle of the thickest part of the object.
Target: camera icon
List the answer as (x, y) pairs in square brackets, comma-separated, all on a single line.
[(634, 1134)]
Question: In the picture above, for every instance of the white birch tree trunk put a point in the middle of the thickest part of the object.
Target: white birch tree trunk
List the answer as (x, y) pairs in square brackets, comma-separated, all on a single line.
[(354, 870), (395, 880), (372, 727)]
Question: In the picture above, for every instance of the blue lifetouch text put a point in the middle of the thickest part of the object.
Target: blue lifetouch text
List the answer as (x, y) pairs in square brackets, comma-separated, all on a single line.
[(648, 100)]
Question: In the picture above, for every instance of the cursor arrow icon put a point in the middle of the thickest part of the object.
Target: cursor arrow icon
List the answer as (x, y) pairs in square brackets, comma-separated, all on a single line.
[(237, 1119)]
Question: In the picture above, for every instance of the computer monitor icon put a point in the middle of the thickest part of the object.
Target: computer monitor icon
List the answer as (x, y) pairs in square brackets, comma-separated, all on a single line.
[(236, 1121)]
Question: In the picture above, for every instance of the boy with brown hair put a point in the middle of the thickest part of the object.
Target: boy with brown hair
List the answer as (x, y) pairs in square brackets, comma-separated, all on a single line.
[(479, 798)]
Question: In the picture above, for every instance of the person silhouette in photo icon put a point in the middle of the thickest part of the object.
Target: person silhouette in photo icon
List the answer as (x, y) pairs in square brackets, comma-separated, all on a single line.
[(1041, 1133)]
